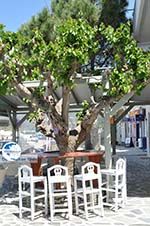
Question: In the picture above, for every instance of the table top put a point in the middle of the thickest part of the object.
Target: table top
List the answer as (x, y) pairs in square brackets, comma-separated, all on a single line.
[(77, 154), (74, 154)]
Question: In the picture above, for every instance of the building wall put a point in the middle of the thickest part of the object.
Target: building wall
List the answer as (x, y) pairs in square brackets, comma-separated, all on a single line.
[(133, 129)]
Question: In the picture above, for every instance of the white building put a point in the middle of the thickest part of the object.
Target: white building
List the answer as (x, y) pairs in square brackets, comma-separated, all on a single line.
[(141, 32)]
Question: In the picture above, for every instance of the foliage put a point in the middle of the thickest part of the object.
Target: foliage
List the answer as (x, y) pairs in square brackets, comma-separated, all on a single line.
[(74, 45), (86, 9), (129, 63), (25, 58), (22, 58), (61, 10), (43, 21), (80, 115), (114, 12), (92, 11), (34, 116), (28, 58)]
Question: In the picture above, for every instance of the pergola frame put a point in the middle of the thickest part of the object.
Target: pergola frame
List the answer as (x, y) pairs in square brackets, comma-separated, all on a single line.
[(12, 106)]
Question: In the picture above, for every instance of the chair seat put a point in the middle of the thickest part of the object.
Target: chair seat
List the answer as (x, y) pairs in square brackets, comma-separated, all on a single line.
[(108, 171), (86, 177), (59, 179), (38, 178), (89, 190), (34, 179)]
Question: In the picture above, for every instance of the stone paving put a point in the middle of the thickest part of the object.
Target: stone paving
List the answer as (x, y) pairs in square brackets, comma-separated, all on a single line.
[(135, 213)]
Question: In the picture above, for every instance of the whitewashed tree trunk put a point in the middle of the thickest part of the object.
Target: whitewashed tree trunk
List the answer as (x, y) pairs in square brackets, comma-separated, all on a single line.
[(107, 138)]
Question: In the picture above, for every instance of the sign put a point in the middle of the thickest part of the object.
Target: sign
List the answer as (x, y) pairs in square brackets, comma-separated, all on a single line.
[(11, 151), (28, 158)]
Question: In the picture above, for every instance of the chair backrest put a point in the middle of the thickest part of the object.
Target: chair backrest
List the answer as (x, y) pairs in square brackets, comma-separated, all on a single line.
[(57, 172), (121, 165), (25, 173), (121, 171), (91, 170)]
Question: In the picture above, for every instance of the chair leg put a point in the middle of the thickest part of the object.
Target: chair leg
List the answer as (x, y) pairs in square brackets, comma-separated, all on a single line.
[(51, 201), (52, 208), (124, 196), (69, 201), (32, 202), (85, 206), (45, 198), (116, 198), (76, 197), (20, 200), (85, 201), (92, 197), (20, 206), (100, 200), (107, 187)]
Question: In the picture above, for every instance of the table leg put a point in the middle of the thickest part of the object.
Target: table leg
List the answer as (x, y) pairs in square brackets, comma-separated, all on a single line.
[(36, 167), (95, 159), (37, 170)]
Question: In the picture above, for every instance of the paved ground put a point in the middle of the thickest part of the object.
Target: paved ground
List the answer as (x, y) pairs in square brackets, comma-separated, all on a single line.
[(136, 212)]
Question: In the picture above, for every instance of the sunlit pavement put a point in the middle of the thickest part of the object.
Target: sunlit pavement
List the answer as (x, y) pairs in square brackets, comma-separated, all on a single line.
[(135, 213)]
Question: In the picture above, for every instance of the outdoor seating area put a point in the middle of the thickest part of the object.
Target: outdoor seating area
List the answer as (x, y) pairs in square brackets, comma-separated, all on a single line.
[(135, 211), (61, 196), (75, 113)]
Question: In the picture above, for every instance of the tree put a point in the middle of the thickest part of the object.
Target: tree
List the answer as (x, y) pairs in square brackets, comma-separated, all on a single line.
[(111, 12), (58, 63), (47, 21), (93, 11), (44, 21), (87, 9), (114, 12)]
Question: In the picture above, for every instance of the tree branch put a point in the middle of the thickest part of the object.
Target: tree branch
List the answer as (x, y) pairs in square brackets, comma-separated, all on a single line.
[(65, 103), (49, 90), (92, 114), (24, 92)]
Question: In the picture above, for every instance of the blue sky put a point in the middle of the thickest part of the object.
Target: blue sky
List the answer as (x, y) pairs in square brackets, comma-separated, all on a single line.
[(130, 6), (16, 12)]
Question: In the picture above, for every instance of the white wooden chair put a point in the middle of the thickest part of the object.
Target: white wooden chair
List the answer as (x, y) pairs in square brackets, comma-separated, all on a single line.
[(60, 196), (115, 186), (28, 190), (88, 192)]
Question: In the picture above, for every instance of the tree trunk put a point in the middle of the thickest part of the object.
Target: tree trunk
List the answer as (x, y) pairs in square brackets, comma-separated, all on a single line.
[(71, 146), (88, 143), (69, 141), (107, 138), (70, 164)]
